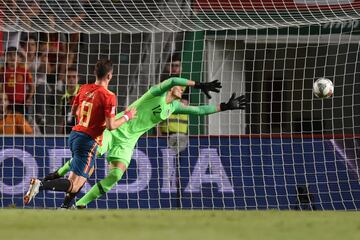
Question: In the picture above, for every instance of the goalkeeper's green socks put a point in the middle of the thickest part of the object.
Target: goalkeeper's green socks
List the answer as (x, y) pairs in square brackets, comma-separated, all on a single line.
[(101, 187), (64, 169)]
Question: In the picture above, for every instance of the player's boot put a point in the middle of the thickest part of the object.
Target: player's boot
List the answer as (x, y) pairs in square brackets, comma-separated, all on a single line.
[(72, 207), (33, 190), (65, 207)]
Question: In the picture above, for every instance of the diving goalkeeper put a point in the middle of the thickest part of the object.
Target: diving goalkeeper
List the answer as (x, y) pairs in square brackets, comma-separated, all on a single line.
[(155, 106)]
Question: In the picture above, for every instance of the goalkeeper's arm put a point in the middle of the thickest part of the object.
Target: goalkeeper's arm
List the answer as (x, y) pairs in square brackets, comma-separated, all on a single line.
[(166, 85), (234, 103), (169, 83)]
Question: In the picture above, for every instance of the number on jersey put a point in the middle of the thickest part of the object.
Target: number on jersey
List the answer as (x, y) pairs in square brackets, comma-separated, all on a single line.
[(85, 113)]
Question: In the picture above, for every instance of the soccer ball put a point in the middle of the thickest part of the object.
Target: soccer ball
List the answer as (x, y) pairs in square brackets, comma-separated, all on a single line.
[(323, 88)]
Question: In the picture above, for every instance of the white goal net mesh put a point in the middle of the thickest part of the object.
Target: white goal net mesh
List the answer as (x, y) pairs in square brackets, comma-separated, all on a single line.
[(287, 150)]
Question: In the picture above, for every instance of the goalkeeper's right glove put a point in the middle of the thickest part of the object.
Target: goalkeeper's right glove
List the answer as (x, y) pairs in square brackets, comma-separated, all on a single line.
[(234, 103), (206, 87)]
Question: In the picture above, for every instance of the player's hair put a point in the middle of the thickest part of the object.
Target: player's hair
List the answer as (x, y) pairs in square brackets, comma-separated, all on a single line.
[(26, 38), (12, 50), (102, 68)]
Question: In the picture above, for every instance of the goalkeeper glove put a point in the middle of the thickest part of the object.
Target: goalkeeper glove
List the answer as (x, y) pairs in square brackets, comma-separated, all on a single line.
[(206, 87), (234, 103)]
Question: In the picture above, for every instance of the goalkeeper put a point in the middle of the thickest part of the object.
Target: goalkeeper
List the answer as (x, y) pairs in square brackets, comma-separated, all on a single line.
[(155, 106)]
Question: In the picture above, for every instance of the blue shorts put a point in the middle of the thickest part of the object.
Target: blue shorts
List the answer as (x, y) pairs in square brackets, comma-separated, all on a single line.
[(83, 150)]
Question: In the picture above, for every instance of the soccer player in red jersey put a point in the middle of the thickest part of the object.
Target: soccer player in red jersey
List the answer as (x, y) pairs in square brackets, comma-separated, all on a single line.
[(16, 81), (94, 107)]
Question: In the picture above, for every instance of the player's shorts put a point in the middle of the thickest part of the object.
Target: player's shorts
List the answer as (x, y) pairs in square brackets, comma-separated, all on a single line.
[(83, 150)]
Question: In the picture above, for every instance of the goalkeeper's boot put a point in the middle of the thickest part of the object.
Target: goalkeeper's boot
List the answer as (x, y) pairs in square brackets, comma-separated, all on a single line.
[(52, 176), (33, 190), (80, 207)]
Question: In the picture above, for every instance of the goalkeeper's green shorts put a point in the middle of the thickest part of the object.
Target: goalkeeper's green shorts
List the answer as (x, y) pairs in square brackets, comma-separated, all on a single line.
[(116, 151), (105, 144), (120, 154)]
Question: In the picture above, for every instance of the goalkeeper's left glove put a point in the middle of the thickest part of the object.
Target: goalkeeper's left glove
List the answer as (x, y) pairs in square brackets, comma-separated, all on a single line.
[(234, 103), (206, 87)]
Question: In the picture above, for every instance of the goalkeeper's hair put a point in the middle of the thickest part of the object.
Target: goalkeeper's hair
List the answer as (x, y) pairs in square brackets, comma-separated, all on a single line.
[(102, 68), (175, 57)]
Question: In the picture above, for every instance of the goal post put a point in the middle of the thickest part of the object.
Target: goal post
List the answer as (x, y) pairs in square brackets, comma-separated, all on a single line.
[(286, 150)]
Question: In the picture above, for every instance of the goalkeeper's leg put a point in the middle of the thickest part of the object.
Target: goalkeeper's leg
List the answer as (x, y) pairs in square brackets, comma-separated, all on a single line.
[(59, 172), (117, 170)]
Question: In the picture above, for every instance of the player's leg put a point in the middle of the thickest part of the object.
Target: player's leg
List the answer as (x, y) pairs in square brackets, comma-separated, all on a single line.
[(85, 170), (36, 185), (70, 196), (117, 169), (71, 185), (118, 157), (77, 181), (68, 199), (106, 145), (60, 172), (63, 170), (83, 149)]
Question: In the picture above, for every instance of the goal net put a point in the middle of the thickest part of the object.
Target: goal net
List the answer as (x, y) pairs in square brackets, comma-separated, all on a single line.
[(286, 150)]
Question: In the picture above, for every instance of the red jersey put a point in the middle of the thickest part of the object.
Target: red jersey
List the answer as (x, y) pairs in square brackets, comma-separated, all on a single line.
[(94, 104), (16, 83)]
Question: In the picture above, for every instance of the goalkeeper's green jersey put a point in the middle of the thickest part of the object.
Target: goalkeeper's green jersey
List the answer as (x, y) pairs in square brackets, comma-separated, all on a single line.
[(151, 110)]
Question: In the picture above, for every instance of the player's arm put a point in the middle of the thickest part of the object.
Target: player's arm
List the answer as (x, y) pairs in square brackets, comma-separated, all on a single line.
[(234, 103), (74, 108), (76, 102), (113, 122)]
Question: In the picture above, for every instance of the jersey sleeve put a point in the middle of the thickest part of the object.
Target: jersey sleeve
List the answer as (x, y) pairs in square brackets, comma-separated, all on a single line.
[(194, 110), (110, 107), (166, 85)]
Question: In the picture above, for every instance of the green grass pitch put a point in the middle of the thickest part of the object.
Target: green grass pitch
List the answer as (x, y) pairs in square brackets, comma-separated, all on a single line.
[(36, 224)]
